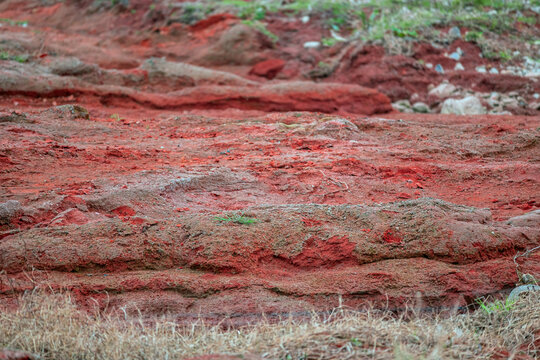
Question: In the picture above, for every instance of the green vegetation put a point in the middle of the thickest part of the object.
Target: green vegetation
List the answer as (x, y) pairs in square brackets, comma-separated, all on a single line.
[(19, 58), (116, 117), (329, 41), (393, 20), (237, 219), (473, 36), (496, 306), (22, 23)]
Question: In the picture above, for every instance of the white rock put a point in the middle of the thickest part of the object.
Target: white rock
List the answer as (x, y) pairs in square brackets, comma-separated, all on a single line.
[(481, 69), (443, 90), (429, 65), (534, 105), (469, 105), (312, 44), (305, 19), (402, 106), (459, 67), (454, 33), (455, 56), (493, 71), (420, 107)]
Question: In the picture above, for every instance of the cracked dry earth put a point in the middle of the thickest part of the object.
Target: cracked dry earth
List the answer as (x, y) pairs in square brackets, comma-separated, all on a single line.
[(113, 182)]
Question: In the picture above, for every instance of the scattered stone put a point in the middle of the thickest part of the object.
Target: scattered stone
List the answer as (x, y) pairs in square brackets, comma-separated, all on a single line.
[(8, 211), (454, 33), (443, 90), (429, 65), (498, 112), (403, 106), (494, 99), (71, 66), (71, 112), (312, 44), (481, 69), (459, 67), (305, 19), (420, 107), (454, 56), (337, 128), (536, 96), (439, 69), (520, 290), (493, 71), (534, 106), (509, 102), (14, 117), (469, 105)]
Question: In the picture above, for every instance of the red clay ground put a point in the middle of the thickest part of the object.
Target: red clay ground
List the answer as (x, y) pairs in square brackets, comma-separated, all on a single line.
[(119, 198)]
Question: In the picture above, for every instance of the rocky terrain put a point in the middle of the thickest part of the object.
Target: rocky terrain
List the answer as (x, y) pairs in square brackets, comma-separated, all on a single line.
[(203, 168)]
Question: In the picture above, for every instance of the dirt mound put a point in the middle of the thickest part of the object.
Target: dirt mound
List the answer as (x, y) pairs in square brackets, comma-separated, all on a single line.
[(20, 79)]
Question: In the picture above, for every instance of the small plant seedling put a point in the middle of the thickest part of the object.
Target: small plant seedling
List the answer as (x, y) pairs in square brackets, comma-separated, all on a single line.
[(20, 58), (473, 36), (494, 307), (402, 33), (237, 219), (505, 56), (116, 117), (329, 42)]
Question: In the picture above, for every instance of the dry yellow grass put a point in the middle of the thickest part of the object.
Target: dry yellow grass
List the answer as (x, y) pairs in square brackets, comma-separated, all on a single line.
[(52, 327)]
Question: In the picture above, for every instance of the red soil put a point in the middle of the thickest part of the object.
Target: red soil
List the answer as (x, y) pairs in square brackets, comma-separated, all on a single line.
[(351, 201)]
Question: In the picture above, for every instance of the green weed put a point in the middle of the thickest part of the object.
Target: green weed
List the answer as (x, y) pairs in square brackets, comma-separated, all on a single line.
[(329, 41), (473, 36), (505, 56), (497, 306), (237, 219), (116, 117), (19, 58), (23, 23)]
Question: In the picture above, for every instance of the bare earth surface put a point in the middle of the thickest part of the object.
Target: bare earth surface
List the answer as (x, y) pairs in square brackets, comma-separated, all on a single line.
[(204, 189)]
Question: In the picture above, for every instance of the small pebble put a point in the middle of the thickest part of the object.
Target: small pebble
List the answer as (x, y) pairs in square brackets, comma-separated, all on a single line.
[(454, 56), (459, 67), (454, 33), (481, 69), (312, 44)]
